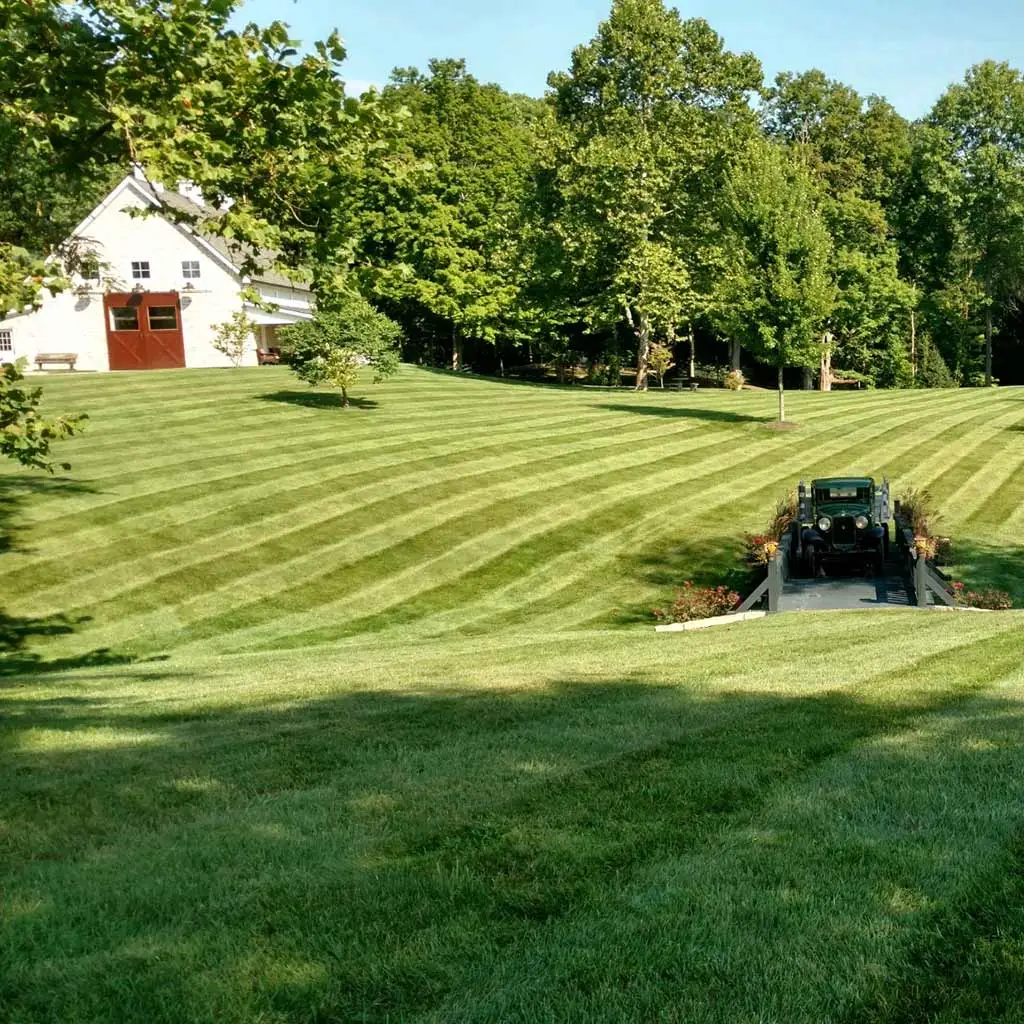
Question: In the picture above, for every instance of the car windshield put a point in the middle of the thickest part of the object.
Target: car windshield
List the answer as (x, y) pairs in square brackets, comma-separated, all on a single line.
[(837, 492)]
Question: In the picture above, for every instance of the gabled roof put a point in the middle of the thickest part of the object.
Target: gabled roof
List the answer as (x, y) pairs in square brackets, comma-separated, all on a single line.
[(213, 246)]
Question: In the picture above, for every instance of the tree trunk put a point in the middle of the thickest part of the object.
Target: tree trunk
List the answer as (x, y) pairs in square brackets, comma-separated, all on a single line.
[(501, 363), (693, 353), (913, 344), (737, 355), (642, 330), (808, 380), (988, 347), (529, 352), (782, 399), (825, 374), (344, 398), (456, 349)]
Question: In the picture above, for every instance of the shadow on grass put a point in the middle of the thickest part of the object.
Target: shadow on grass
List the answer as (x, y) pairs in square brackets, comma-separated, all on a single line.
[(317, 400), (511, 381), (686, 412), (983, 566), (17, 634), (714, 562), (17, 489), (482, 820)]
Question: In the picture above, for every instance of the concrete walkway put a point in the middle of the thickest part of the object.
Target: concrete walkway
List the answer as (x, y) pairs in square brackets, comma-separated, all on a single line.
[(844, 594)]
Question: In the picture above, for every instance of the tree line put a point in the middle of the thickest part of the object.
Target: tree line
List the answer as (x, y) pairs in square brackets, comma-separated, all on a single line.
[(661, 196)]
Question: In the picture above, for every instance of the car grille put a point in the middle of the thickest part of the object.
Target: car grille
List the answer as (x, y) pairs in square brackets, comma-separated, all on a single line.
[(844, 530)]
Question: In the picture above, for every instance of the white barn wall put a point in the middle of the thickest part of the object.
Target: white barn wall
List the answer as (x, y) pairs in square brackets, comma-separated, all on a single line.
[(72, 322)]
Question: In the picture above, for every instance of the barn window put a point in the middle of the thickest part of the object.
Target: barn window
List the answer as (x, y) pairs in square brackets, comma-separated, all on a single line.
[(163, 318), (190, 270), (140, 270), (6, 341), (124, 318)]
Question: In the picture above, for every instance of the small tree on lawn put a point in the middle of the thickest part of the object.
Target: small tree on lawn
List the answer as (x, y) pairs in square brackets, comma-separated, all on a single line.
[(25, 436), (232, 336), (778, 295), (337, 344), (659, 359)]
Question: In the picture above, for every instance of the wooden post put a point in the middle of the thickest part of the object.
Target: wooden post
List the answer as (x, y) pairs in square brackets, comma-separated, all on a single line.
[(774, 584), (921, 580)]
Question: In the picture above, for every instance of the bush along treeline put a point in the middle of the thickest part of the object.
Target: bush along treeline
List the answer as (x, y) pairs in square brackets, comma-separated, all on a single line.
[(662, 213)]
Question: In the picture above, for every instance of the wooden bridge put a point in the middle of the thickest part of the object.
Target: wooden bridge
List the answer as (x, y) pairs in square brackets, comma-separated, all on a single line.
[(910, 580)]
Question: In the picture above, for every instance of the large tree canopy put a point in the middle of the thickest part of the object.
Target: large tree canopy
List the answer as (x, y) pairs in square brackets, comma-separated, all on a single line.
[(648, 115), (269, 136), (596, 219)]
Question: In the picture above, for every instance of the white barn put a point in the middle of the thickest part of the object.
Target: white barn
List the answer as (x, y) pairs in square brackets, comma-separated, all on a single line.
[(157, 301)]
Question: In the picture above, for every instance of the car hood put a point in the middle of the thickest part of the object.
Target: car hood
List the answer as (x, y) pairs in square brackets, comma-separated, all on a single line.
[(839, 508)]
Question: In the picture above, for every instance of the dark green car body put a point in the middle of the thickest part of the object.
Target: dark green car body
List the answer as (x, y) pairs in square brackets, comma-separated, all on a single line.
[(843, 520)]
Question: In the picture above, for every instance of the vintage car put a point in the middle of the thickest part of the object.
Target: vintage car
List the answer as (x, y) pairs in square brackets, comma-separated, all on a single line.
[(842, 522)]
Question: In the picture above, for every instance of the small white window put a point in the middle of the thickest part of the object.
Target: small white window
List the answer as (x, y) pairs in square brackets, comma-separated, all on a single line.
[(90, 270), (140, 270), (190, 270), (6, 341)]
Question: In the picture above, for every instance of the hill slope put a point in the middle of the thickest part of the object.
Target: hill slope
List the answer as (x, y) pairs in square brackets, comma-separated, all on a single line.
[(230, 511), (312, 715)]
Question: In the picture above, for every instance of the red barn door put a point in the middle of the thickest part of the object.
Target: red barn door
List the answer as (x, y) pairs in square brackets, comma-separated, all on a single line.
[(144, 331)]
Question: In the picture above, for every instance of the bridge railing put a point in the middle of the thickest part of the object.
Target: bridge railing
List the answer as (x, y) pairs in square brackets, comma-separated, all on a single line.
[(775, 578), (923, 576)]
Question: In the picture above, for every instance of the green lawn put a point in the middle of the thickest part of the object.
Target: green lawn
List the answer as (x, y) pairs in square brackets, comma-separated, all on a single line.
[(323, 715)]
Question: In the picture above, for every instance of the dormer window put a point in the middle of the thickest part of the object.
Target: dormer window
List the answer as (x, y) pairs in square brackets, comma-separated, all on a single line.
[(190, 270), (90, 270), (140, 270)]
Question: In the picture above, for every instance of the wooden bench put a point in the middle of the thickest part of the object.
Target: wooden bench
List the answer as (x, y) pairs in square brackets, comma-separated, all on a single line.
[(70, 358)]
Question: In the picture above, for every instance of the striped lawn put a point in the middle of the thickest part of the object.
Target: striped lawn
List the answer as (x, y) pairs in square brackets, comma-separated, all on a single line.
[(219, 512), (320, 715)]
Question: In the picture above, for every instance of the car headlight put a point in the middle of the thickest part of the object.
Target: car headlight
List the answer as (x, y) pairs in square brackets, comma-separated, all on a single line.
[(824, 523), (861, 522)]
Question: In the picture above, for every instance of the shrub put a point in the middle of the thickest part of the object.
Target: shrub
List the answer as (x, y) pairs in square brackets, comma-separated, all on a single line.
[(614, 371), (693, 602), (989, 598), (917, 509), (338, 343), (734, 380), (659, 360), (932, 370), (231, 337), (761, 547)]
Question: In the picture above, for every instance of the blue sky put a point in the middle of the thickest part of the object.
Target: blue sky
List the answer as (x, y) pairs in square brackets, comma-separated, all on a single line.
[(906, 50)]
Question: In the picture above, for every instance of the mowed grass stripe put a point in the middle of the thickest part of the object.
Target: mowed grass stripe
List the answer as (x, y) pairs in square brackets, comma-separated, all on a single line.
[(604, 522), (532, 493), (562, 540), (1004, 501), (970, 461), (428, 572), (354, 490), (182, 556), (257, 470), (557, 585)]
